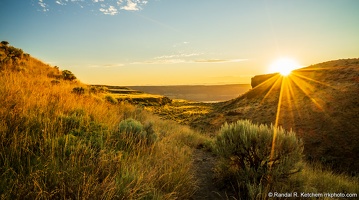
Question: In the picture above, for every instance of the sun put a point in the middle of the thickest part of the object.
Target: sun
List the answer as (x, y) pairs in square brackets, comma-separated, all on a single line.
[(284, 66)]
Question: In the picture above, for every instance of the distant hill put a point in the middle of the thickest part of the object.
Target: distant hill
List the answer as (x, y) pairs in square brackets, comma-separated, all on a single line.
[(200, 93), (125, 94), (319, 102)]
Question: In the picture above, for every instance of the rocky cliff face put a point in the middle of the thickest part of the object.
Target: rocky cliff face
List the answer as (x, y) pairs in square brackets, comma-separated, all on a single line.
[(257, 80)]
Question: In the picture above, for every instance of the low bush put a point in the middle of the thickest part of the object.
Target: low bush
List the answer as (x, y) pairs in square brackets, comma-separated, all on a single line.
[(78, 90), (251, 162), (55, 82), (68, 75), (135, 132), (98, 89), (111, 99)]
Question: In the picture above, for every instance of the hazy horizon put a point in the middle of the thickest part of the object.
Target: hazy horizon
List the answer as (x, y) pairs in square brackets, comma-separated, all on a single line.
[(169, 42), (149, 85)]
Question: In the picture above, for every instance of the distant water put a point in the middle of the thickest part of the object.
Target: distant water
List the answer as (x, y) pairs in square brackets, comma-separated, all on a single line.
[(210, 101), (200, 93)]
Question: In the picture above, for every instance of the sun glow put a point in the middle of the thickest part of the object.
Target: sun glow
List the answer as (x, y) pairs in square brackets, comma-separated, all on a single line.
[(290, 88), (284, 66)]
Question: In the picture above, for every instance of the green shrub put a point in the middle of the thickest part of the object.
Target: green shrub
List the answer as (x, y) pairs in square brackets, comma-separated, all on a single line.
[(150, 135), (94, 89), (246, 161), (78, 90), (55, 82), (131, 126), (111, 99), (5, 43), (69, 123), (98, 89), (135, 132), (68, 75)]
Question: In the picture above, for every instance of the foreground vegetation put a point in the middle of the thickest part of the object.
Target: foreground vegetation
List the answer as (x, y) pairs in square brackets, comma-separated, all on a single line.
[(251, 165), (60, 139), (249, 158), (55, 144)]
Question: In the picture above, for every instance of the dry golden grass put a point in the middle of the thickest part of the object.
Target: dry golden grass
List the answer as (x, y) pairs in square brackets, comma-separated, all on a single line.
[(181, 111), (57, 144)]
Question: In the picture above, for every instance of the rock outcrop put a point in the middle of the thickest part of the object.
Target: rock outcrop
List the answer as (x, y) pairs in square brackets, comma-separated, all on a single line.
[(256, 80)]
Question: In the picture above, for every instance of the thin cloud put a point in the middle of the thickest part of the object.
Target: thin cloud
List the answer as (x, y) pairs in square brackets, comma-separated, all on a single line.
[(220, 60), (111, 10), (43, 5), (114, 65), (119, 2), (173, 60), (182, 55), (160, 62), (170, 59), (107, 65), (60, 2), (130, 6), (107, 7)]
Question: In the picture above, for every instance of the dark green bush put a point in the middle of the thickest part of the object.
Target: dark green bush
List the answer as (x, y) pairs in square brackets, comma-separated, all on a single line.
[(131, 126), (246, 161), (69, 123), (68, 75), (134, 132), (98, 89), (55, 82), (5, 43), (80, 125), (94, 90), (111, 99), (78, 90)]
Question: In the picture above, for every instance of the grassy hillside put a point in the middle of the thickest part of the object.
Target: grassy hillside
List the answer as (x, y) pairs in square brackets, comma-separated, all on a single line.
[(60, 144), (320, 103)]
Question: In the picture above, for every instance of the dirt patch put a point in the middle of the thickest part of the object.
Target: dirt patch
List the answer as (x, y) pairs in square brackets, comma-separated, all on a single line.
[(204, 163)]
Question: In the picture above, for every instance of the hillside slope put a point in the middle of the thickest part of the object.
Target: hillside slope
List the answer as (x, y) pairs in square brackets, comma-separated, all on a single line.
[(60, 140), (319, 102)]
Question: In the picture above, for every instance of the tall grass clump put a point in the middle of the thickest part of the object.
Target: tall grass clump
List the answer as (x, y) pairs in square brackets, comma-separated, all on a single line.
[(133, 133), (318, 179), (246, 162)]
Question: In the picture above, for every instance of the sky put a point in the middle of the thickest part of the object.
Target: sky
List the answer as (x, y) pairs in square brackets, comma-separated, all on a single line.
[(179, 42)]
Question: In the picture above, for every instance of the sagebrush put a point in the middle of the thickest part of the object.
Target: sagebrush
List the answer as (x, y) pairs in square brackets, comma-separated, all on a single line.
[(246, 160)]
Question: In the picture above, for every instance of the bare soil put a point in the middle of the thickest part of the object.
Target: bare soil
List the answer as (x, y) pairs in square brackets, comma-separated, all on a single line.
[(204, 163)]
